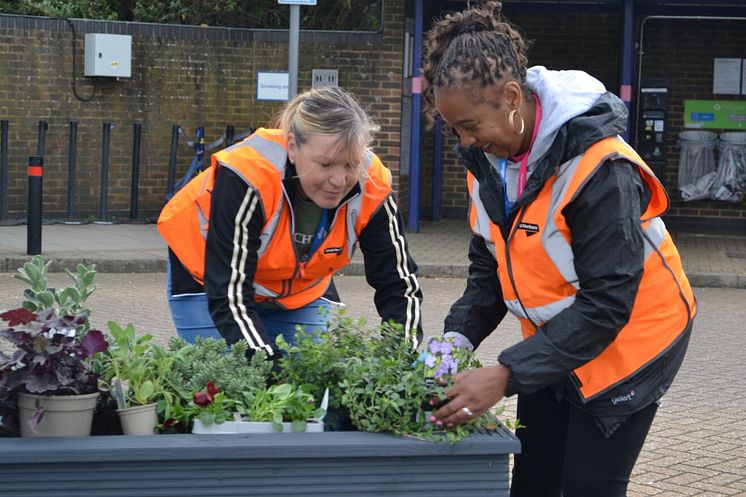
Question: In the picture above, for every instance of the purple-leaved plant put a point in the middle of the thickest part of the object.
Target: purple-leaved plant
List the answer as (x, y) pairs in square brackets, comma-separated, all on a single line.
[(49, 357)]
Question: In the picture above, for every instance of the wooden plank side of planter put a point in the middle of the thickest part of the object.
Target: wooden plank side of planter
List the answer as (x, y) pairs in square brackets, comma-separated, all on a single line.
[(340, 464)]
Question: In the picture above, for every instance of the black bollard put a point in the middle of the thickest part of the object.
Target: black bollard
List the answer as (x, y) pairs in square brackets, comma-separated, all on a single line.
[(104, 200), (172, 161), (33, 231), (230, 135), (3, 169), (136, 132)]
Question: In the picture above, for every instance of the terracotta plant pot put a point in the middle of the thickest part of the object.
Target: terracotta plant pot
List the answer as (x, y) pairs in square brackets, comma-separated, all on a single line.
[(64, 415)]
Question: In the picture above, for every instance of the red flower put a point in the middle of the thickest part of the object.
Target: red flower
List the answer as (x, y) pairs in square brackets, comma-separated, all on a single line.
[(18, 316), (202, 399), (171, 425), (212, 389)]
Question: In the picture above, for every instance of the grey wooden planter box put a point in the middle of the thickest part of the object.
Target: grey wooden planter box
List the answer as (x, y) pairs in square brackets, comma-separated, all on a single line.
[(337, 464)]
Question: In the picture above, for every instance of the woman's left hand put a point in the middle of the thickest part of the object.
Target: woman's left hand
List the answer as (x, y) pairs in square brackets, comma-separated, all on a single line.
[(473, 392)]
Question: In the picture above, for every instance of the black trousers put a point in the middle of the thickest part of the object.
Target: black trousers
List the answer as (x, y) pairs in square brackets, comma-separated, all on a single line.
[(564, 453)]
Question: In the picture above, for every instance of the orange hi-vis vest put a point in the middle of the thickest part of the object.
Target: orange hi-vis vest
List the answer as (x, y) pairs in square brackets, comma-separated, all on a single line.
[(538, 279), (260, 160)]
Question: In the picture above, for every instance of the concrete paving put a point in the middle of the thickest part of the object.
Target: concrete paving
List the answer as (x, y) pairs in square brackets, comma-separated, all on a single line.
[(697, 445), (440, 248)]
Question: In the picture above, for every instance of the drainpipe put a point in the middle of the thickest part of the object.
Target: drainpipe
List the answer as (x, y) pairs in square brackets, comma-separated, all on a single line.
[(641, 52), (628, 62), (413, 217)]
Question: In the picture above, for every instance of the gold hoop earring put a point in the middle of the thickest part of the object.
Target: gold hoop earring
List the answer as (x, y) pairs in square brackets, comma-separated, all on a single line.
[(511, 120)]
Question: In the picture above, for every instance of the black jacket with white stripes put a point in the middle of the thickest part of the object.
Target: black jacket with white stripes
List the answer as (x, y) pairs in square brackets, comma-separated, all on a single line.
[(389, 268)]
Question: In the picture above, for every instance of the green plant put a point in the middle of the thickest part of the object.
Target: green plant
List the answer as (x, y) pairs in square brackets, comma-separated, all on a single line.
[(389, 388), (320, 360), (211, 406), (208, 361), (278, 403), (69, 301), (134, 368)]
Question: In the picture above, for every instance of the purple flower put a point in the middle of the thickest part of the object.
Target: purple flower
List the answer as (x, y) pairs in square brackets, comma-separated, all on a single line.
[(438, 347), (441, 371), (430, 361), (454, 366), (448, 361)]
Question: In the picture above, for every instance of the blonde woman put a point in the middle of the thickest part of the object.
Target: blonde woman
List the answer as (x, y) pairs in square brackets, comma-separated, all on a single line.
[(287, 209)]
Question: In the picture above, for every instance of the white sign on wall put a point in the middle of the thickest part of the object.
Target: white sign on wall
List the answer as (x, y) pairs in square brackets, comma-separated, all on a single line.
[(726, 78), (272, 86)]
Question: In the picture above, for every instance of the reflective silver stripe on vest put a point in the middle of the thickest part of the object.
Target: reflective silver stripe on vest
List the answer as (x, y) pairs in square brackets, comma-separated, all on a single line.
[(541, 314), (482, 224), (202, 219), (264, 291), (275, 153), (554, 243), (655, 234)]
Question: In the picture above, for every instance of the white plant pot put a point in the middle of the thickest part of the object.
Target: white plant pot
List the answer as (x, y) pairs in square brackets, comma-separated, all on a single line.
[(229, 427), (138, 420), (64, 415)]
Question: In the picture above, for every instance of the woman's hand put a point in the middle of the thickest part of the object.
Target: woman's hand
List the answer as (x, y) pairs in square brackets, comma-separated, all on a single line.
[(473, 392)]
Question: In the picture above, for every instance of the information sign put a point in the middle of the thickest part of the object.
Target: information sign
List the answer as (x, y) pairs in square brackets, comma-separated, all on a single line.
[(715, 114)]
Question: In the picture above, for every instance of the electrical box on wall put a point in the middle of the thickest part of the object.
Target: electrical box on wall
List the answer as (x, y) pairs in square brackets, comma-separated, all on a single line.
[(108, 55), (325, 77)]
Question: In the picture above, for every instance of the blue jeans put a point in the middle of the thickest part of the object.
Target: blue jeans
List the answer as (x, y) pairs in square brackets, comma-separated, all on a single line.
[(192, 317)]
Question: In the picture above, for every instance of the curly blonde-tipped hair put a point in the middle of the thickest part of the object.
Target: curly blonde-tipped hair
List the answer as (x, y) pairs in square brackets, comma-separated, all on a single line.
[(331, 112), (477, 46)]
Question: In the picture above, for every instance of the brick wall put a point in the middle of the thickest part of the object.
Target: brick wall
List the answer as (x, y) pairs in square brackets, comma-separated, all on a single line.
[(560, 41), (193, 76), (682, 52)]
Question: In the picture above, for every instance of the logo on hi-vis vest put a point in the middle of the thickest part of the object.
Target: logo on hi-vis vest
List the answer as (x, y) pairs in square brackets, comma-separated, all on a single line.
[(333, 250), (530, 229)]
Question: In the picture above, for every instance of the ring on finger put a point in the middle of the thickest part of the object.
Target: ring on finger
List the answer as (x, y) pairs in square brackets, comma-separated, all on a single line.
[(467, 411)]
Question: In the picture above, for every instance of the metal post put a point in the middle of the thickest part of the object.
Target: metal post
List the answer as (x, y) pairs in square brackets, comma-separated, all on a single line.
[(627, 62), (437, 208), (33, 227), (199, 150), (3, 169), (72, 158), (293, 51), (413, 216), (104, 198), (136, 131), (230, 134), (172, 161), (72, 180), (42, 138)]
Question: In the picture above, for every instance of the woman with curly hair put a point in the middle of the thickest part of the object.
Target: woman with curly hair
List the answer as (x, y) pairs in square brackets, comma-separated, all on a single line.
[(568, 238)]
